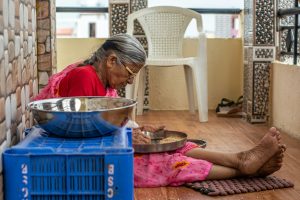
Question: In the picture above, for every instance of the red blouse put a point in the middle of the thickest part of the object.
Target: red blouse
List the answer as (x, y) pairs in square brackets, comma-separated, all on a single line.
[(81, 81)]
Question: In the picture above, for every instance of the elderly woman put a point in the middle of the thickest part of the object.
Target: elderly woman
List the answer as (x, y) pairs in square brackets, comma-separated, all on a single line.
[(111, 67)]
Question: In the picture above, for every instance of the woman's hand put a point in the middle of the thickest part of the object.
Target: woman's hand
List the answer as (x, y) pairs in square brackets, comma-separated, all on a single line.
[(152, 128), (138, 137)]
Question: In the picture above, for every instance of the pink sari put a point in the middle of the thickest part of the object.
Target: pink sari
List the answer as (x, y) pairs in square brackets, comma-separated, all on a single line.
[(169, 168), (51, 90)]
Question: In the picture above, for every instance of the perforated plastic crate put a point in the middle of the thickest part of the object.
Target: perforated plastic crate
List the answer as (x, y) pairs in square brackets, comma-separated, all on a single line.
[(49, 168)]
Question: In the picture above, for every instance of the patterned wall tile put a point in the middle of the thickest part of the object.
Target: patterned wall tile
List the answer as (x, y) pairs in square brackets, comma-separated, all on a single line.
[(261, 78), (259, 118), (249, 109), (248, 53), (248, 22), (135, 6), (264, 53), (248, 77), (247, 88), (282, 40), (140, 35), (289, 59), (143, 40), (286, 38), (264, 23), (138, 30), (259, 51), (119, 10), (286, 20), (287, 45)]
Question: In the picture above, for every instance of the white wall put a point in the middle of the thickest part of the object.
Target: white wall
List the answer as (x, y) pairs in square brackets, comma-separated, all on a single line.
[(167, 85), (285, 98)]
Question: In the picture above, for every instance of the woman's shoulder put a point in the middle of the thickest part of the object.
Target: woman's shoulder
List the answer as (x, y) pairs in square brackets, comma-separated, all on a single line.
[(85, 69)]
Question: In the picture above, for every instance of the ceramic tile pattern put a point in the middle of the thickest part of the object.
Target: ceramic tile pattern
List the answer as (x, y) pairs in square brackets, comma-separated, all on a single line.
[(118, 17), (248, 22), (119, 10), (286, 21), (261, 84), (264, 23), (264, 53), (259, 52)]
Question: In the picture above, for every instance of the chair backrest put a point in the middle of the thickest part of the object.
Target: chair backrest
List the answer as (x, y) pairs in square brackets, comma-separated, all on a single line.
[(164, 27)]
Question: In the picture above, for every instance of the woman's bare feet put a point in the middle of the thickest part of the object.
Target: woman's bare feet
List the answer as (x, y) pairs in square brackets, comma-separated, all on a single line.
[(249, 162), (276, 132), (273, 164)]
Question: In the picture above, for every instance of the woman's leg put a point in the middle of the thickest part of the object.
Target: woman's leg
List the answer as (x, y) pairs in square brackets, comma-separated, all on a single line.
[(246, 162), (221, 172), (271, 166)]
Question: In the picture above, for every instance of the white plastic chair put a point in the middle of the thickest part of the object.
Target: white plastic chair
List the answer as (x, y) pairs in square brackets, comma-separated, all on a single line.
[(164, 27)]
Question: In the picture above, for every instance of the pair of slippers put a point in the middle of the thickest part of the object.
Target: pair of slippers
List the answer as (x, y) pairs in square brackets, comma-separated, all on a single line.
[(230, 108)]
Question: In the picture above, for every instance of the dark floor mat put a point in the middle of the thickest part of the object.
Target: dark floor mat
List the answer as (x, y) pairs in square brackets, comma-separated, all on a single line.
[(237, 186)]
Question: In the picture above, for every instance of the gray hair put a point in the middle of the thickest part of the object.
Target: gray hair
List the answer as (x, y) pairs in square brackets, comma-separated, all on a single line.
[(127, 49)]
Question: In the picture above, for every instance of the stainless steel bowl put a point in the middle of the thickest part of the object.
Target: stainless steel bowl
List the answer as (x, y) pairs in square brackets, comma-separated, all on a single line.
[(82, 116)]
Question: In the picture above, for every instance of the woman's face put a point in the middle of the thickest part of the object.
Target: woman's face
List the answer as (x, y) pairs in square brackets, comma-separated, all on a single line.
[(119, 75)]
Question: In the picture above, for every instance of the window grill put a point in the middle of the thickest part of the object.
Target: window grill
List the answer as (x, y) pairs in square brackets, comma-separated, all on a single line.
[(289, 40)]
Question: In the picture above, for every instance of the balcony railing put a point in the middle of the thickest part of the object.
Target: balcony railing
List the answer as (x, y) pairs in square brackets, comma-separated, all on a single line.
[(105, 10), (66, 29)]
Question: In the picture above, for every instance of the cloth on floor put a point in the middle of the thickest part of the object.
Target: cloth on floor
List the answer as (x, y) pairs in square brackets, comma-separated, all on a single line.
[(237, 186)]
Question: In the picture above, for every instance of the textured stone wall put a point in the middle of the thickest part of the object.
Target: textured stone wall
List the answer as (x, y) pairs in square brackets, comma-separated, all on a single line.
[(18, 70), (259, 52), (46, 42)]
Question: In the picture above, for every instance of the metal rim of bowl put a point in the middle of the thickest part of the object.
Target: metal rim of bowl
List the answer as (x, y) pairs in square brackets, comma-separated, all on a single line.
[(29, 106)]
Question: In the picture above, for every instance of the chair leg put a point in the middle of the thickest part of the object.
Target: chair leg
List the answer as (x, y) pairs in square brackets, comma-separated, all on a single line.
[(140, 91), (200, 77), (190, 87)]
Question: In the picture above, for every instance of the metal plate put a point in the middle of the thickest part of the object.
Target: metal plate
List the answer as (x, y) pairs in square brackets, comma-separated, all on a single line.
[(168, 141)]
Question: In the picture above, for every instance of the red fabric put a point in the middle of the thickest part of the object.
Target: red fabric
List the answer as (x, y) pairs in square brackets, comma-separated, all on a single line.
[(81, 81)]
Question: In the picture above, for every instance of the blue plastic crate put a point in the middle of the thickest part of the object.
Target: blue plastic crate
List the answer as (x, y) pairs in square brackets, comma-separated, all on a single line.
[(51, 168)]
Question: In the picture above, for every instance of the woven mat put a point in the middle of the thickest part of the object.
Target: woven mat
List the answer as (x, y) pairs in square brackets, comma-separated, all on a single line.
[(237, 186)]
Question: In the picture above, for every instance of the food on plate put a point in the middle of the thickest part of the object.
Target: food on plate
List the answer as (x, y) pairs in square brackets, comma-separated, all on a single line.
[(170, 139)]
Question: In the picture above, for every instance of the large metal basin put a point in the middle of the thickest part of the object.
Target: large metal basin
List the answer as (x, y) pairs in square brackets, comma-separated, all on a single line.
[(82, 116)]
